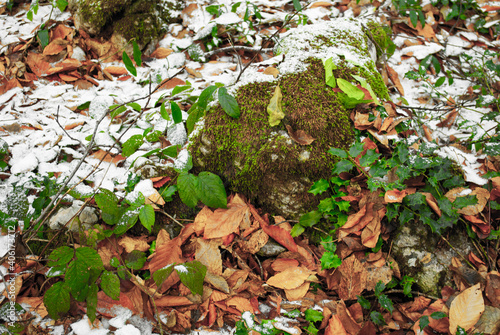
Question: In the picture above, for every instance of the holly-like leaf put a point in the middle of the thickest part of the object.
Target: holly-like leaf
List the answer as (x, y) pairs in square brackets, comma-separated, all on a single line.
[(377, 318), (319, 187), (110, 284), (468, 200), (57, 300), (379, 287), (386, 303), (363, 302), (228, 103), (147, 216), (128, 64), (329, 260), (313, 315), (438, 315), (356, 149), (338, 152), (192, 275), (187, 185), (176, 112), (211, 190), (369, 158), (342, 166), (132, 144)]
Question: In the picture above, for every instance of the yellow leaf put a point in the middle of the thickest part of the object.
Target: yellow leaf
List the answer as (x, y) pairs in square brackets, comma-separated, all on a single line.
[(274, 108)]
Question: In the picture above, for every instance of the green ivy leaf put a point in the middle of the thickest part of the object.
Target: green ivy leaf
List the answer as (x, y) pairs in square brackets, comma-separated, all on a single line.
[(61, 256), (342, 166), (187, 185), (468, 200), (313, 315), (147, 216), (228, 103), (132, 144), (135, 260), (128, 64), (137, 53), (110, 284), (92, 302), (424, 322), (176, 112), (319, 187), (162, 274), (379, 287), (329, 260), (363, 302), (57, 300), (310, 219), (192, 275), (386, 303), (211, 190)]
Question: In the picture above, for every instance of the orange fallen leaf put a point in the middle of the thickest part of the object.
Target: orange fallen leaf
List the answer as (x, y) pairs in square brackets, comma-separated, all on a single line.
[(290, 278), (431, 201), (137, 243), (298, 292), (106, 157), (74, 125), (55, 47), (353, 278), (481, 194), (116, 70), (161, 53), (171, 83), (393, 196), (335, 326), (300, 136), (395, 79)]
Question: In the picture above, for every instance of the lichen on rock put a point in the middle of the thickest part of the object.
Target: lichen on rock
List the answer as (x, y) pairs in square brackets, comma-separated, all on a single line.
[(264, 162)]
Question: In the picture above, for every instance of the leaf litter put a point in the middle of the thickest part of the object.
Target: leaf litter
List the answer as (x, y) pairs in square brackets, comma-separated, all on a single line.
[(237, 279)]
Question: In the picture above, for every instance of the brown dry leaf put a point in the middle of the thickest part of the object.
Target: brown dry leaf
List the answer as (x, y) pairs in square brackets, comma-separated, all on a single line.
[(427, 31), (155, 199), (386, 124), (227, 221), (55, 47), (466, 309), (106, 303), (161, 53), (431, 201), (241, 304), (492, 288), (194, 73), (116, 70), (393, 196), (357, 222), (449, 119), (395, 79), (369, 235), (290, 278), (200, 221), (219, 283), (208, 253), (61, 31), (137, 243), (172, 301), (37, 64), (282, 236), (350, 325), (281, 264), (427, 133), (168, 253), (68, 78), (361, 121), (36, 304), (297, 293), (271, 71), (481, 194), (101, 155), (171, 83), (300, 136), (353, 278), (74, 125), (335, 326), (256, 241)]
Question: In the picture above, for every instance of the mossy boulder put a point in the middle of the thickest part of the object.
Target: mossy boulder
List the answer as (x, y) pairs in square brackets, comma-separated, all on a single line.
[(264, 162), (124, 20)]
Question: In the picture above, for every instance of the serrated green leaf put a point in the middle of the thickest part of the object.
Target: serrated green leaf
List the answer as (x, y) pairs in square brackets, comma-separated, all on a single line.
[(338, 152), (369, 158), (77, 277), (377, 318), (211, 190), (126, 221), (329, 260), (106, 200), (386, 303), (379, 287), (342, 166), (163, 112), (363, 302), (275, 109), (176, 112), (313, 315), (110, 284), (128, 64), (187, 185), (310, 219), (407, 282), (352, 91), (57, 300), (424, 322), (61, 256), (356, 149), (468, 200), (415, 199), (319, 187), (132, 144), (228, 103), (92, 302), (343, 205), (135, 260), (192, 275), (147, 216), (326, 205), (162, 274), (137, 54)]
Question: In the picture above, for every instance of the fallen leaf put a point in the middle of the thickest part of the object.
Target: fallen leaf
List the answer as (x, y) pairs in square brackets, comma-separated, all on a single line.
[(274, 109), (281, 264), (449, 120), (74, 125), (241, 304), (298, 292), (223, 222), (300, 136), (466, 309), (271, 71), (208, 253), (161, 53), (290, 278), (116, 70), (55, 47), (171, 83), (492, 288), (427, 133), (137, 243), (394, 196), (37, 64), (431, 201), (353, 278), (395, 79), (106, 157), (481, 194), (335, 326)]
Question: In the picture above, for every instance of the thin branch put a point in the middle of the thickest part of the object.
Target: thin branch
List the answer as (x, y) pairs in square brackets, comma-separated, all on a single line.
[(237, 47)]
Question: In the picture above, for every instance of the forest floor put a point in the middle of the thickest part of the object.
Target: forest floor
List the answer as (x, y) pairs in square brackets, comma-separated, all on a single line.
[(444, 81)]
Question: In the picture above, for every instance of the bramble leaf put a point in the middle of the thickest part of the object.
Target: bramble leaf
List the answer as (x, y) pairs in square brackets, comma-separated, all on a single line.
[(57, 300), (228, 103), (210, 190), (187, 185)]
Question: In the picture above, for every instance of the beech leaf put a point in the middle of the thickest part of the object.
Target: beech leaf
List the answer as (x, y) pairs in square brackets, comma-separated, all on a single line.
[(274, 109)]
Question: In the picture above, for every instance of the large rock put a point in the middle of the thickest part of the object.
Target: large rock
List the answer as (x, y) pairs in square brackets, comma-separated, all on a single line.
[(124, 20), (264, 162)]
